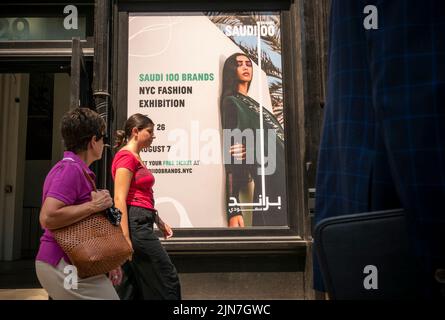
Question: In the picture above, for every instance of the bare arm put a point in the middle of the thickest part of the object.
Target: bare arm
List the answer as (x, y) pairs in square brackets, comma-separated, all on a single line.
[(56, 214), (164, 227), (122, 183)]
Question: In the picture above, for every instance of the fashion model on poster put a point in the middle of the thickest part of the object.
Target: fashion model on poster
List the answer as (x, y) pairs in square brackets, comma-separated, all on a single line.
[(150, 274), (243, 160), (67, 198)]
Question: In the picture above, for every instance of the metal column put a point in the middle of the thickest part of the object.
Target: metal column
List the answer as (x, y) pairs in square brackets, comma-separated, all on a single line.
[(101, 76)]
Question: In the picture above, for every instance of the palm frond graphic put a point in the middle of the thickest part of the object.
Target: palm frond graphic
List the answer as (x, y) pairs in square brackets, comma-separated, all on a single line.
[(240, 19), (222, 19)]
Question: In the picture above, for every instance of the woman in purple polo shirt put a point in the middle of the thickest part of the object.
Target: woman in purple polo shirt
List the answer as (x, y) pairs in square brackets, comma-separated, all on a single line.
[(67, 198)]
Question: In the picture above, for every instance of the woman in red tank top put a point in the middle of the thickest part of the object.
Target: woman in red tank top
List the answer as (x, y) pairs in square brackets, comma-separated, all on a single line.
[(150, 274)]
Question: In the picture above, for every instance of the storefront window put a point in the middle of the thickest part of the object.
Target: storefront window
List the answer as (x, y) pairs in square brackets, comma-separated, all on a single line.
[(42, 28)]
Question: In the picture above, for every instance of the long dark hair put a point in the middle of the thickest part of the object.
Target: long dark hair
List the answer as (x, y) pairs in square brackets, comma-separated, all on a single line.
[(230, 76), (138, 121)]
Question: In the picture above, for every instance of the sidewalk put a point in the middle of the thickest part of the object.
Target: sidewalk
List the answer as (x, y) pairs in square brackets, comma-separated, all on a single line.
[(18, 281), (23, 294)]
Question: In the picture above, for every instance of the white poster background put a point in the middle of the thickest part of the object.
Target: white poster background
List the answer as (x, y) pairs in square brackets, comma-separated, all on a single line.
[(185, 43)]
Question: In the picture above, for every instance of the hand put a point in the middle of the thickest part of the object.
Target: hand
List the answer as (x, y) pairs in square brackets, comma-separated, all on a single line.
[(236, 221), (166, 230), (101, 200), (131, 246), (115, 276), (238, 151)]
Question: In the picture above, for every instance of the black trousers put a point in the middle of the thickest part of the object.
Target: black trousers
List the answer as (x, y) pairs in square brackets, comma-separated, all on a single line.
[(150, 275)]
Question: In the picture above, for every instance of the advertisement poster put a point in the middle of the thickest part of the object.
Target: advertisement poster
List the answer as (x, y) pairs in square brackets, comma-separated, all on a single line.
[(212, 84)]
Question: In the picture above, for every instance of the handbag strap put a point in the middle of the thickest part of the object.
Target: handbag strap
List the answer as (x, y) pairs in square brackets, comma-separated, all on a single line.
[(90, 180), (93, 184)]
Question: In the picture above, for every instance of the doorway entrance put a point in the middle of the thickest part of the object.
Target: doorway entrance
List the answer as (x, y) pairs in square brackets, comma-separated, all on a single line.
[(32, 106), (35, 91)]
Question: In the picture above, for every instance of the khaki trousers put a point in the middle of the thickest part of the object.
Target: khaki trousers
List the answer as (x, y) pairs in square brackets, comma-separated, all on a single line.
[(92, 288)]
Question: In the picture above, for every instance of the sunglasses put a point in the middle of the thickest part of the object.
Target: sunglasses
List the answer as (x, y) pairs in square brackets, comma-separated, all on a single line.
[(105, 138)]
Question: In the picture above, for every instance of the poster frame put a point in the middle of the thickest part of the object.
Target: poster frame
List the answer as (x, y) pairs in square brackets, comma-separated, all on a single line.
[(288, 237)]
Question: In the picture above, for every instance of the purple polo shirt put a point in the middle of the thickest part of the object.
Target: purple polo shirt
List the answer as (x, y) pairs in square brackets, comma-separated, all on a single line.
[(65, 182)]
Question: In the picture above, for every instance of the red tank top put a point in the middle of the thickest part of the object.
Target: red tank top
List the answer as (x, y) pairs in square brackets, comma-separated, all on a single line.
[(140, 193)]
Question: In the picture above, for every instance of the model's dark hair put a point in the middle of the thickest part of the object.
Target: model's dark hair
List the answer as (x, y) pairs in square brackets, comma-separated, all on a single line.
[(138, 121), (230, 76), (78, 126)]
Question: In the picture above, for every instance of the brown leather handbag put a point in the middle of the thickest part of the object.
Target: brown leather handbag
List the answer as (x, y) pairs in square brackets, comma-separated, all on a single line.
[(94, 245)]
